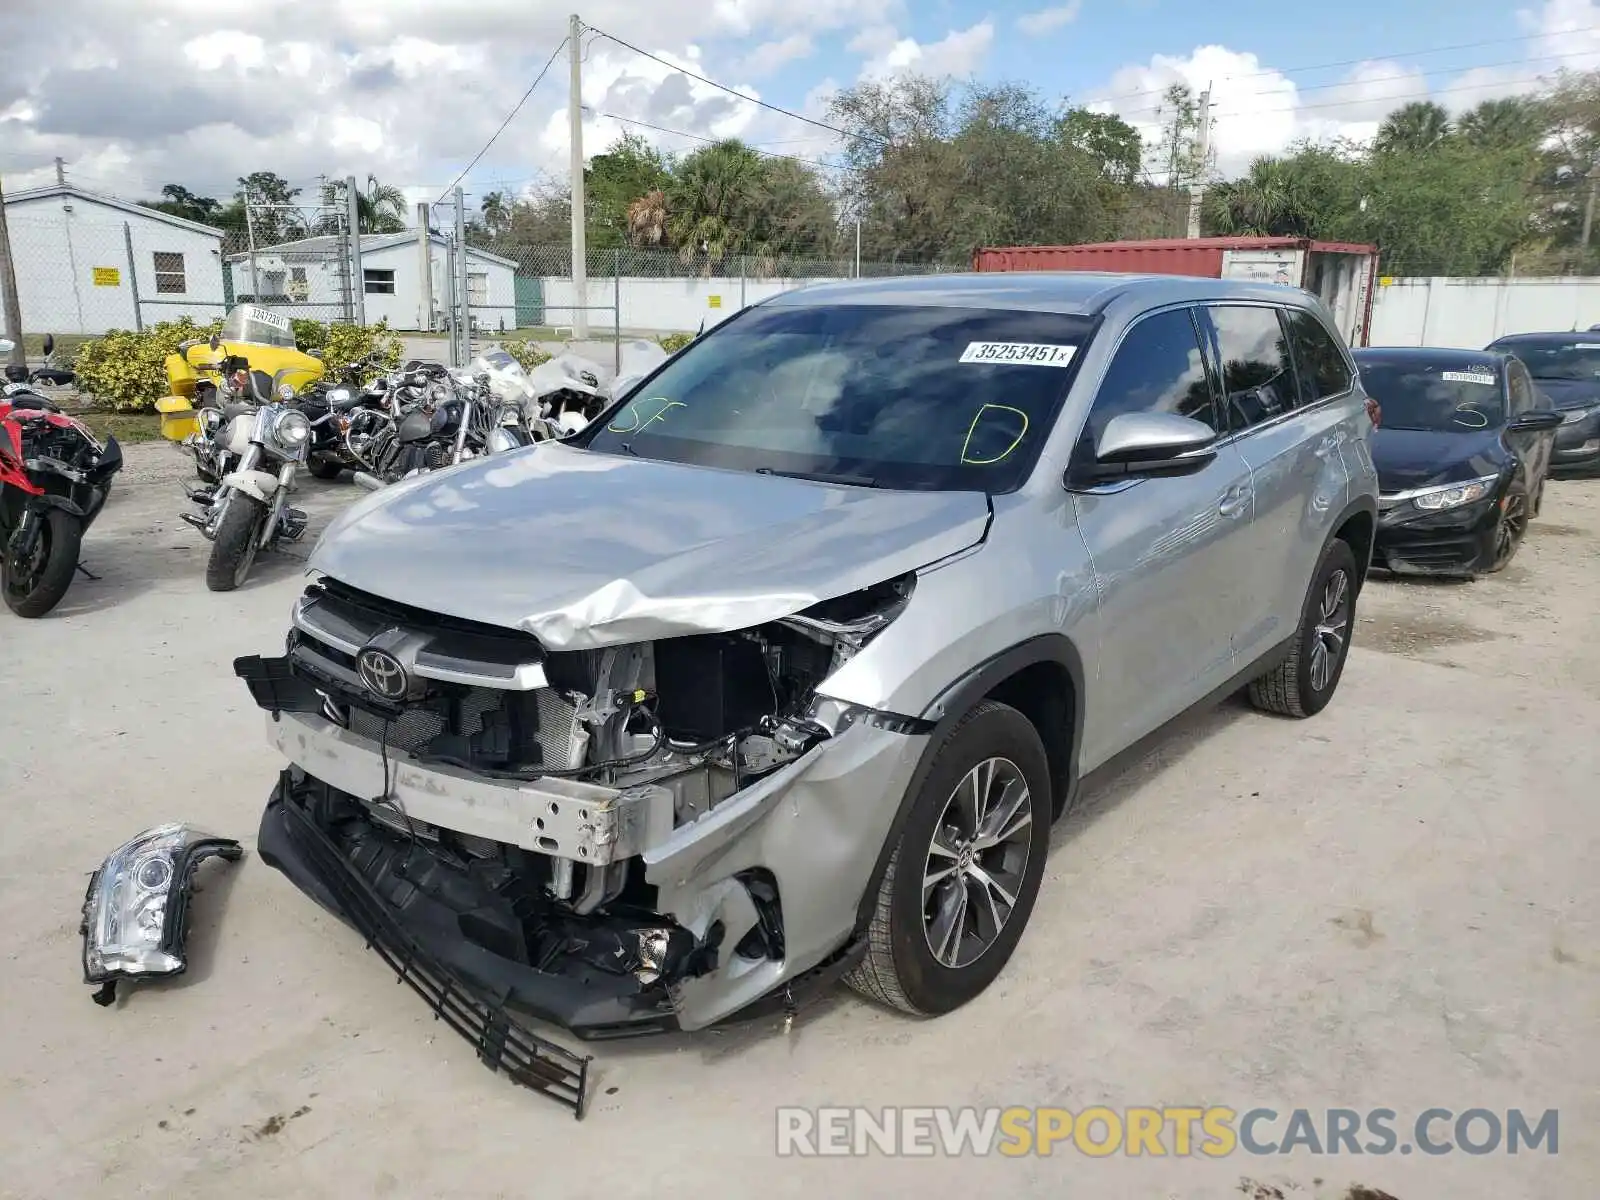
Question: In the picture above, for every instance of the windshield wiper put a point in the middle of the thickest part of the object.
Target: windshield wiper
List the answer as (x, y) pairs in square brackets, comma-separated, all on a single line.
[(865, 481)]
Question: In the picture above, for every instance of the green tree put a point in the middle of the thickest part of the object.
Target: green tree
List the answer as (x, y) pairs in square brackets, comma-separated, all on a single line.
[(630, 167), (1413, 128), (178, 201), (1508, 123), (496, 211), (274, 211)]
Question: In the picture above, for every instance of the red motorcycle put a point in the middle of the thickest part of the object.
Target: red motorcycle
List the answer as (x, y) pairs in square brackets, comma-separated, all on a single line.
[(54, 479)]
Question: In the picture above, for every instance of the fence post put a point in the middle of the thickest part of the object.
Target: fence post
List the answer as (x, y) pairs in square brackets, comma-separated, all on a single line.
[(358, 280), (452, 317), (744, 270), (616, 308), (133, 278), (463, 283), (425, 265)]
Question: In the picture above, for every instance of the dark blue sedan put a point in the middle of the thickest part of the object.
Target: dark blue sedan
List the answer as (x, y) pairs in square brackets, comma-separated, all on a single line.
[(1566, 368)]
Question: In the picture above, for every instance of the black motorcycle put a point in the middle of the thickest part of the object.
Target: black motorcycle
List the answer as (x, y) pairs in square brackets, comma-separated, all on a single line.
[(429, 420)]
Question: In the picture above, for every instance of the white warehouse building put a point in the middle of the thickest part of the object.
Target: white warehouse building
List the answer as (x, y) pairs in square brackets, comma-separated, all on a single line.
[(90, 263), (311, 274)]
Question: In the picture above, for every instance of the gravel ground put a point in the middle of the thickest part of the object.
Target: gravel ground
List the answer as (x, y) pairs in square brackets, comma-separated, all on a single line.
[(1391, 905)]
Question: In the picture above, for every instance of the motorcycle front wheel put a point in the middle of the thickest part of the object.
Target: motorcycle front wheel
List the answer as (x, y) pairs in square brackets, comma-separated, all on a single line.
[(233, 550), (32, 586)]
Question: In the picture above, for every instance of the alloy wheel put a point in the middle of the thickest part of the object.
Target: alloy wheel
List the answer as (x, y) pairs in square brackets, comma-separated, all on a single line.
[(1513, 524), (1332, 631), (976, 862), (24, 574)]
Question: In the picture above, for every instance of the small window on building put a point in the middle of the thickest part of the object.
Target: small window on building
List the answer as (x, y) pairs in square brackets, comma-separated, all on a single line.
[(273, 285), (169, 273), (299, 289), (378, 283), (478, 287)]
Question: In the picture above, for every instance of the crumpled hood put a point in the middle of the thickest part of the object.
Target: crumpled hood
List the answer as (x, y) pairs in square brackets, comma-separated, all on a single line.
[(1414, 458), (584, 550)]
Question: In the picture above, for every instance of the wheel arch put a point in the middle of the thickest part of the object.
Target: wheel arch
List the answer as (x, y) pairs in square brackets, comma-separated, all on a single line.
[(1357, 527), (1043, 679)]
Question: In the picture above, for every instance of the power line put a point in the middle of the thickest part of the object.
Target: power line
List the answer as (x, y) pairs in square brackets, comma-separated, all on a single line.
[(792, 115), (710, 141), (516, 108), (1356, 62), (1403, 96)]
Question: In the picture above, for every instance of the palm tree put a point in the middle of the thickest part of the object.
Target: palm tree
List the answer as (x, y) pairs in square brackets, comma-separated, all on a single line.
[(496, 211), (1266, 202), (379, 209), (1512, 121), (713, 197), (647, 219), (1413, 128)]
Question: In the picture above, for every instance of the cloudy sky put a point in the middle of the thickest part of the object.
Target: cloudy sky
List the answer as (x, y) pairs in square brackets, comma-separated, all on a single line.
[(137, 93)]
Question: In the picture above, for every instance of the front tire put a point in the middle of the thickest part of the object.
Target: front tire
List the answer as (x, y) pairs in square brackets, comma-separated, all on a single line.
[(34, 587), (962, 880), (1303, 683), (233, 550), (1510, 529)]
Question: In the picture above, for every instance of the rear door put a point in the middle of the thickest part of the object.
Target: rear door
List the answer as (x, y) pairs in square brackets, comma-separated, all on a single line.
[(1289, 400), (1169, 555)]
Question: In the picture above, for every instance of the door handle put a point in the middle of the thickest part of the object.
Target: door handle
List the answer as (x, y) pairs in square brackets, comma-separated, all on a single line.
[(1234, 501)]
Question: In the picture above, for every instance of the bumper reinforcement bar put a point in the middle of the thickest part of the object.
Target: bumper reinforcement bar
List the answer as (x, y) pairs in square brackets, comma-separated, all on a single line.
[(503, 1044)]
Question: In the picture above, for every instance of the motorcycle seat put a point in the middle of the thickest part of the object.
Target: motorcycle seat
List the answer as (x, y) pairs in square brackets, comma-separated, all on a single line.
[(31, 401)]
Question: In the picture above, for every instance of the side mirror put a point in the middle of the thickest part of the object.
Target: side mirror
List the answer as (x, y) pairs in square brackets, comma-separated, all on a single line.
[(1136, 445), (1535, 422), (216, 342), (49, 343), (317, 354)]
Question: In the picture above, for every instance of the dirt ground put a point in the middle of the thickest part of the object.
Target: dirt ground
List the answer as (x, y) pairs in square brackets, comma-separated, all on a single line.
[(1392, 905)]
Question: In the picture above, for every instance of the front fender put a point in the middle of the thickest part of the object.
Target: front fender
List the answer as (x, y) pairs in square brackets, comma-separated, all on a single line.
[(263, 485)]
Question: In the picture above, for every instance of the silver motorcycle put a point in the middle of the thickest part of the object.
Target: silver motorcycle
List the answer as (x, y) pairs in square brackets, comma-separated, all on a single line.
[(267, 441)]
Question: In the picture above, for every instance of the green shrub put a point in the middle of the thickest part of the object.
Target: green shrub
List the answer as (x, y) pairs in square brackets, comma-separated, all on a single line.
[(126, 371), (673, 342), (309, 334), (526, 353), (348, 343)]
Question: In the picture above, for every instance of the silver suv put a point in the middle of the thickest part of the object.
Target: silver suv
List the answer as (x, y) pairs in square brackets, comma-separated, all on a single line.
[(779, 672)]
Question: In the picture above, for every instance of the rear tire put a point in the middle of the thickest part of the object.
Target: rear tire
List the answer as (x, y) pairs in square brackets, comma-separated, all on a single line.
[(980, 828), (234, 548), (34, 588), (1303, 683), (1510, 530)]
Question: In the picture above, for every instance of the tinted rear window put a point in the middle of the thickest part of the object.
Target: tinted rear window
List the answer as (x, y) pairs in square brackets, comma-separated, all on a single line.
[(1578, 360)]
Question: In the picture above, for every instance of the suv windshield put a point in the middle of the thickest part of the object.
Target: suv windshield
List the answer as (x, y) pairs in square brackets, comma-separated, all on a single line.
[(261, 326), (1578, 360), (1449, 397), (902, 397)]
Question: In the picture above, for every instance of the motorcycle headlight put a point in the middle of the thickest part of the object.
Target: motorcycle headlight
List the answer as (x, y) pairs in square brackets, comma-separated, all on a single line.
[(291, 430), (338, 396), (135, 912), (285, 392), (1455, 495)]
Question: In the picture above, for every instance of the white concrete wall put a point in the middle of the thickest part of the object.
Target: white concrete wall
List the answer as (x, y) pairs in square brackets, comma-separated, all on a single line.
[(58, 242), (1471, 313), (662, 305)]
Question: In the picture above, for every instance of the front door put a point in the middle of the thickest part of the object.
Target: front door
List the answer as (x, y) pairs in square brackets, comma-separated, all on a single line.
[(1168, 554)]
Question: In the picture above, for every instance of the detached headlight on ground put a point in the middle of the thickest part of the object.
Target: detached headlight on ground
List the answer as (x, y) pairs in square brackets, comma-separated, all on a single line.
[(135, 913), (1455, 494), (291, 430)]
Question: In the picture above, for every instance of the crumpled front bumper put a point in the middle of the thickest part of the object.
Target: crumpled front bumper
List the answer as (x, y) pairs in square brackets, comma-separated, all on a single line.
[(812, 831), (1454, 542)]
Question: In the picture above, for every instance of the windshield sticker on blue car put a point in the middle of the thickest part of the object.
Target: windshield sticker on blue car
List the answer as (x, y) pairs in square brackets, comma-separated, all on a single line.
[(1468, 377), (1033, 354)]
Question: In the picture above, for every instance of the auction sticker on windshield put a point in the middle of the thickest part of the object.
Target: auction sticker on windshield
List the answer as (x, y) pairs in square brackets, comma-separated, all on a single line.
[(1033, 354), (1467, 377), (265, 316)]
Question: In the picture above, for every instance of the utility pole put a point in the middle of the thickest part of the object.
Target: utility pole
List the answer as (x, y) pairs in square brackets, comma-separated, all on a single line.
[(1197, 185), (8, 292), (61, 171), (580, 251), (250, 231), (358, 281), (858, 247)]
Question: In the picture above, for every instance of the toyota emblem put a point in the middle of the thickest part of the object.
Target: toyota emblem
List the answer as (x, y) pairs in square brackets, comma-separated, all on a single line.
[(382, 674)]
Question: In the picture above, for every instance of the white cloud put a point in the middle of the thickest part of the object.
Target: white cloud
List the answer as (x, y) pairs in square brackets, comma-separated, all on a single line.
[(958, 54), (1048, 20), (769, 56)]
